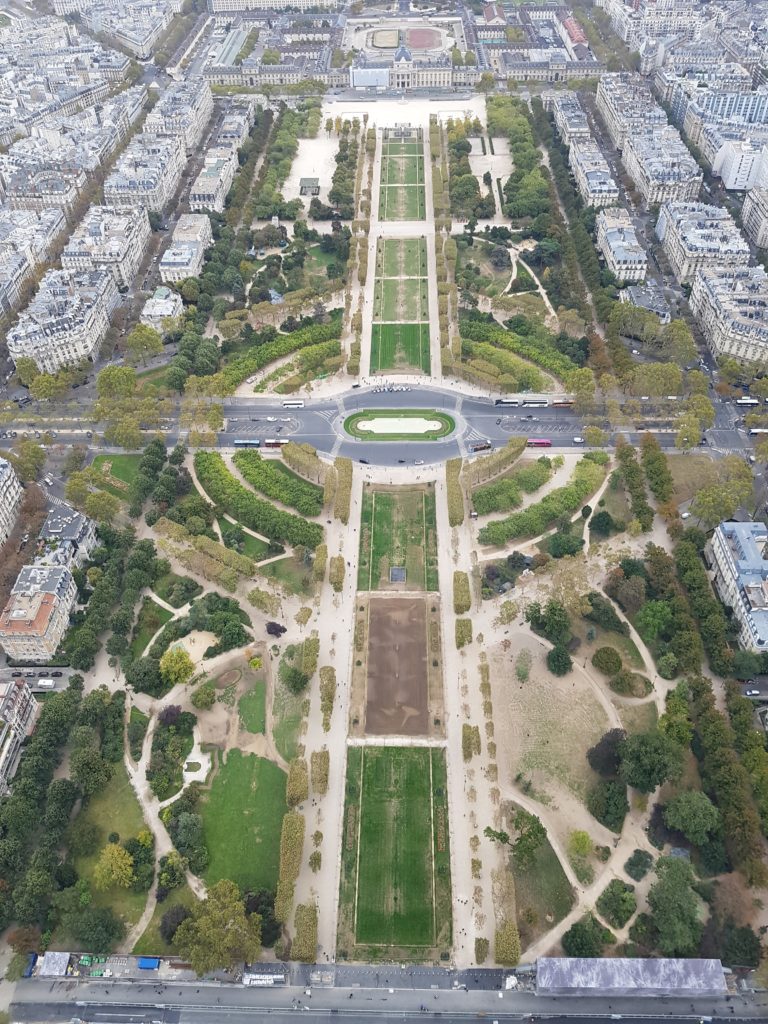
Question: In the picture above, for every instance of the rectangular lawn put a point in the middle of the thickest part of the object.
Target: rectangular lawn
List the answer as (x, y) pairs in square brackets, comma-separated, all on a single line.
[(400, 346), (398, 529), (398, 877), (242, 816), (402, 202), (401, 299), (402, 257)]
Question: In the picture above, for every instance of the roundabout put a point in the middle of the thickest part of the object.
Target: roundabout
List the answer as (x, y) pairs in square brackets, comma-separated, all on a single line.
[(399, 425)]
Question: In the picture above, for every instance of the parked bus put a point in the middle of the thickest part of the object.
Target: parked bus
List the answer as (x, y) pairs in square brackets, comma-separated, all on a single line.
[(538, 442), (481, 446), (758, 430), (514, 402), (275, 442), (247, 442), (565, 403), (293, 403), (535, 403), (747, 401)]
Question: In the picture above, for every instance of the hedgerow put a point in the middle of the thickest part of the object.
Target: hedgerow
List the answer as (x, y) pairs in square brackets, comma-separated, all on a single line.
[(304, 947), (455, 494), (586, 478), (506, 494), (279, 483), (336, 572), (635, 485), (327, 694), (320, 763), (291, 845), (538, 348), (227, 492), (463, 632), (321, 559), (297, 784), (343, 467), (462, 598)]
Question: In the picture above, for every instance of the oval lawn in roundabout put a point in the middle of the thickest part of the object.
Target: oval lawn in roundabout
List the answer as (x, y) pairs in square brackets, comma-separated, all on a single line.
[(399, 425)]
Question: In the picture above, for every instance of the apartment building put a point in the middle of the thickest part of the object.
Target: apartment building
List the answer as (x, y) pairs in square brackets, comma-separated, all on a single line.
[(627, 107), (592, 174), (36, 616), (624, 256), (11, 494), (229, 7), (732, 309), (184, 109), (695, 235), (210, 187), (135, 25), (661, 167), (164, 304), (111, 239), (18, 713), (570, 117), (184, 257), (147, 173), (736, 553), (43, 188), (754, 216), (67, 320), (67, 538)]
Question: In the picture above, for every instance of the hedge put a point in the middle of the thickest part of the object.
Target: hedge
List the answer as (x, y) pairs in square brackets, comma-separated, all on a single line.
[(538, 349), (470, 741), (284, 900), (320, 763), (304, 947), (279, 483), (507, 945), (455, 493), (487, 466), (587, 477), (264, 600), (297, 784), (463, 632), (327, 694), (607, 660), (462, 598), (656, 468), (336, 573), (635, 485), (303, 459), (321, 559), (341, 505), (230, 495), (291, 846)]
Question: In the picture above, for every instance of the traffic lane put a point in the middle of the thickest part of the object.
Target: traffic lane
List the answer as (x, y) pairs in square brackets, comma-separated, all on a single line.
[(395, 453)]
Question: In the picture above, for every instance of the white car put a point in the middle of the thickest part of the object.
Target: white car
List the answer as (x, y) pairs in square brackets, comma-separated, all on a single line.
[(578, 440)]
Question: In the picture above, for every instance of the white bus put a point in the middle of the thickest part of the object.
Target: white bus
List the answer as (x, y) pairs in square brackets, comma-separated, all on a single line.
[(747, 401), (293, 403)]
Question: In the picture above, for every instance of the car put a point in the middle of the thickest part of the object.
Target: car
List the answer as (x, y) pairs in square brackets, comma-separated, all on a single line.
[(498, 421), (89, 433), (57, 674), (578, 440), (685, 515), (15, 674), (30, 675), (401, 461), (703, 441), (365, 462), (751, 693), (43, 672), (418, 462)]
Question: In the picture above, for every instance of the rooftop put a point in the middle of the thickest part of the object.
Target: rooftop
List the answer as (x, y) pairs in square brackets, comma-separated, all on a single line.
[(629, 976)]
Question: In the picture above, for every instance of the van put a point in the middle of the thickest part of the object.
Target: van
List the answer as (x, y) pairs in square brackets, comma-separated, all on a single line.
[(45, 684), (48, 480)]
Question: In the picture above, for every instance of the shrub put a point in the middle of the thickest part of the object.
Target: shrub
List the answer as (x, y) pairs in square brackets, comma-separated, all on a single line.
[(630, 684), (559, 660), (275, 482), (607, 802), (639, 864), (341, 505), (617, 902), (304, 946), (284, 900), (297, 784), (463, 633), (327, 694), (462, 598), (318, 566), (481, 950), (454, 491), (470, 741), (320, 761), (264, 601), (258, 356), (607, 660), (261, 516), (585, 938), (204, 697), (507, 493)]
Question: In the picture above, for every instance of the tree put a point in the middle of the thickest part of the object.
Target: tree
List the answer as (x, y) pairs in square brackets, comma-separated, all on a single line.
[(170, 921), (617, 902), (585, 938), (607, 802), (487, 82), (580, 843), (701, 407), (176, 666), (552, 622), (674, 907), (28, 460), (631, 595), (559, 661), (26, 370), (142, 342), (114, 868), (602, 523), (89, 770), (116, 382), (711, 505), (692, 813), (604, 757), (607, 660), (531, 834), (688, 432), (649, 759), (101, 506), (218, 932)]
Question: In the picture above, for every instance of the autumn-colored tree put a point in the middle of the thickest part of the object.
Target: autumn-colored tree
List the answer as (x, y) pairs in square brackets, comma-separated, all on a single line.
[(114, 868)]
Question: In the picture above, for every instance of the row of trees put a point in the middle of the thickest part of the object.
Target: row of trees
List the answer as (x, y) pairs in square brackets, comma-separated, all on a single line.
[(632, 476), (532, 342), (465, 197), (273, 480), (507, 493), (266, 200)]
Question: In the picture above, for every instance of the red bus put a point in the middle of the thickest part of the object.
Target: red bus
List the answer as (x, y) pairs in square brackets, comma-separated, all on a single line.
[(564, 404), (481, 446), (271, 443), (539, 442)]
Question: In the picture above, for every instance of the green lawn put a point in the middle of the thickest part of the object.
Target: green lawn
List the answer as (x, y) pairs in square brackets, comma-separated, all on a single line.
[(151, 618), (253, 708), (151, 942), (354, 424), (404, 299), (403, 857), (398, 528), (287, 713), (402, 168), (154, 378), (400, 148), (401, 257), (401, 202), (252, 547), (116, 473), (114, 809), (400, 347), (544, 889), (171, 588), (242, 817), (294, 575), (138, 719)]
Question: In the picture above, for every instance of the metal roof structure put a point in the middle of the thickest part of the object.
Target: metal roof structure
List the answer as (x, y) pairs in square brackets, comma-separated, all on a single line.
[(625, 976)]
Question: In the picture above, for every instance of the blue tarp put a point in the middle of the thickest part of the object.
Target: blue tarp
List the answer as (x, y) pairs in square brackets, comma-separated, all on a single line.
[(149, 963)]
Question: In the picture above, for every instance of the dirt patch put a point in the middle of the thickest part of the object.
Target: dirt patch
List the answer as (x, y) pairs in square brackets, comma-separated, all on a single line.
[(396, 699), (227, 678)]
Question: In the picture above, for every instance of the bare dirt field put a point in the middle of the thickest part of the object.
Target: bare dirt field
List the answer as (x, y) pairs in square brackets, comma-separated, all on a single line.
[(396, 699)]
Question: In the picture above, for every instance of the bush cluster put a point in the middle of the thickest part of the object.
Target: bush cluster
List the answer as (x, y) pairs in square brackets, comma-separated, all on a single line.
[(536, 346), (455, 493), (507, 945), (341, 505), (320, 761), (463, 632), (470, 741), (297, 784), (707, 610), (327, 694), (462, 597), (635, 485), (251, 511), (278, 483), (505, 494)]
